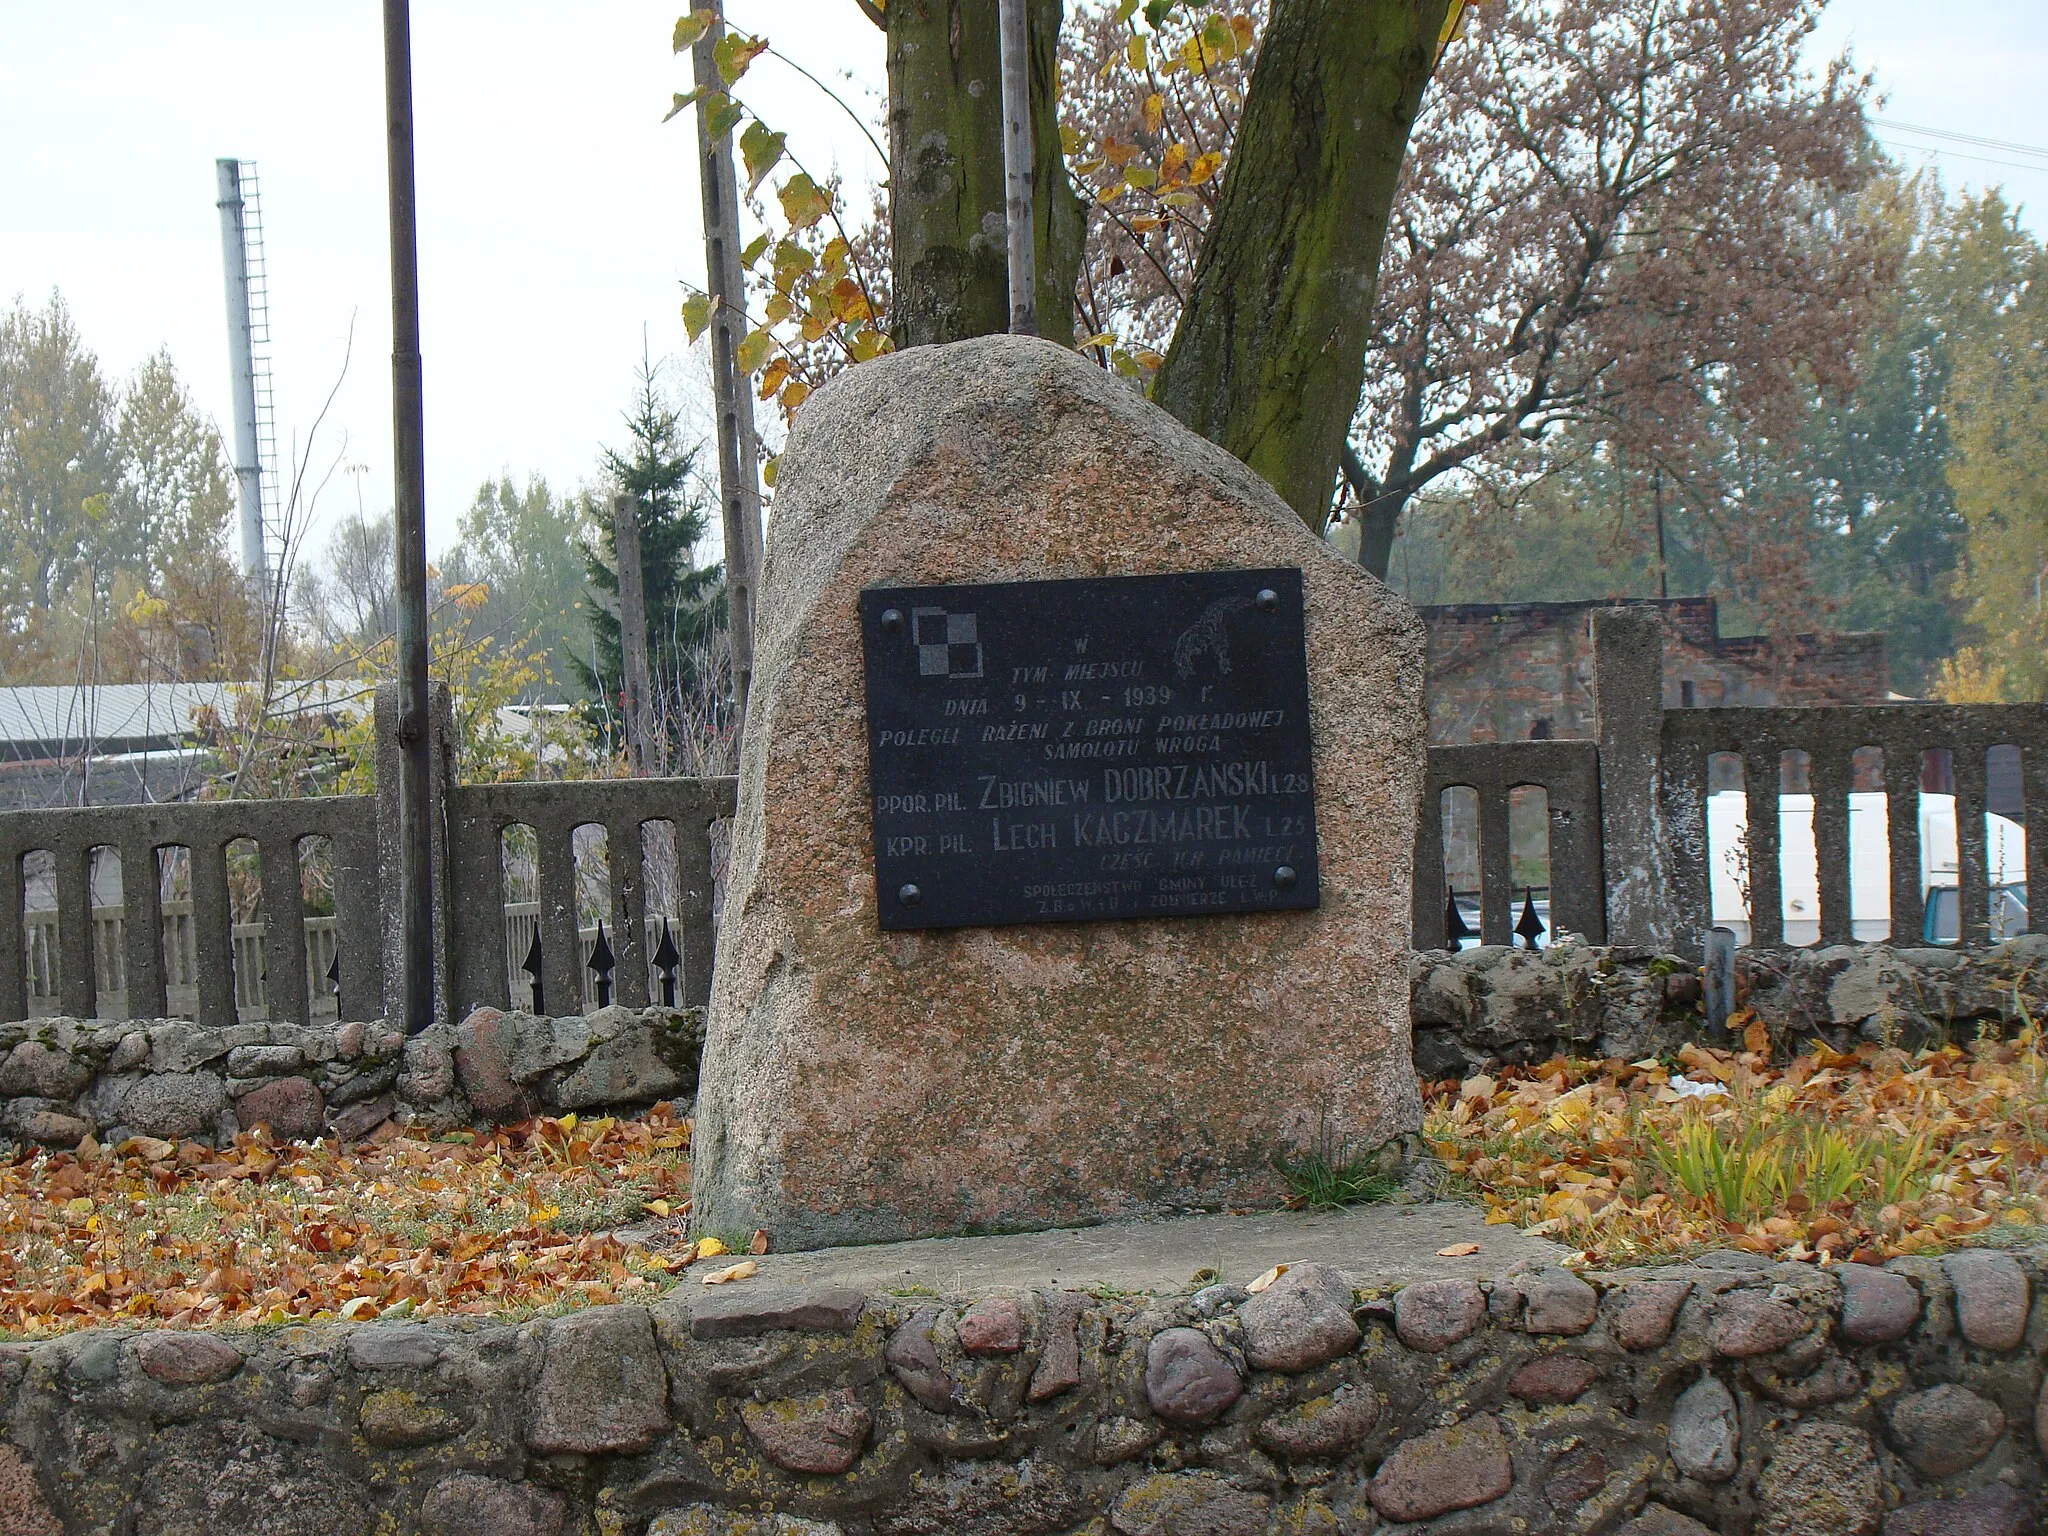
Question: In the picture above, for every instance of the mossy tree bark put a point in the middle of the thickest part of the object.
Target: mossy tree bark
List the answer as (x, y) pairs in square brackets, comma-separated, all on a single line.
[(1269, 356), (946, 174)]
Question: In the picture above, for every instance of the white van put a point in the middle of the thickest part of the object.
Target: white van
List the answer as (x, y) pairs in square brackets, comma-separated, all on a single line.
[(2005, 856)]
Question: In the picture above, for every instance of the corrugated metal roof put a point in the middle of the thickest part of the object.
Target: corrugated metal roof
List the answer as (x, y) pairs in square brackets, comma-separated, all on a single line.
[(130, 716)]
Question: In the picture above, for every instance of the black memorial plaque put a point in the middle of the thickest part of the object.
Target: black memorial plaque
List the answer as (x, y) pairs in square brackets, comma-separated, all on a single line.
[(1063, 751)]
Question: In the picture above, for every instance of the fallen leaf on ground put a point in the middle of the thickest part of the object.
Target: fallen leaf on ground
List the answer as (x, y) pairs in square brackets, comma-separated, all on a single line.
[(760, 1242), (154, 1233), (1267, 1279), (1833, 1155), (740, 1271), (1458, 1251)]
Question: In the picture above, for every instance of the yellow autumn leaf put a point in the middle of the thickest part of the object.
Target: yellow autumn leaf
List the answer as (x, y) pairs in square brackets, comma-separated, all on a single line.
[(690, 28), (696, 314), (1458, 1251), (710, 1248), (1267, 1279), (739, 1271), (794, 393), (734, 52), (1154, 111), (1206, 165), (656, 1207), (804, 202), (753, 351)]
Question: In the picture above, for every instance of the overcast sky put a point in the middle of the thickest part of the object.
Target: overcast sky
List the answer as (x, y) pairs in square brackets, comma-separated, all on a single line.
[(557, 214)]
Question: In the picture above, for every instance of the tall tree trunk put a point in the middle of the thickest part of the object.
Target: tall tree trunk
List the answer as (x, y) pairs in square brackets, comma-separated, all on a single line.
[(946, 174), (1269, 355), (1057, 213)]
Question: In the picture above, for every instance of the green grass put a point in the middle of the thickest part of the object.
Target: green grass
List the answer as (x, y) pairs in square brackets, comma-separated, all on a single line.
[(1746, 1169), (1328, 1176)]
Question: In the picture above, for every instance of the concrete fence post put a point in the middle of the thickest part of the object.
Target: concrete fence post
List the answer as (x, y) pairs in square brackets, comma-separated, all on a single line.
[(440, 776), (1628, 698)]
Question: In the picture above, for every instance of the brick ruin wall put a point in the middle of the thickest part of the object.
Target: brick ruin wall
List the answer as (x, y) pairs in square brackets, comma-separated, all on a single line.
[(1513, 672)]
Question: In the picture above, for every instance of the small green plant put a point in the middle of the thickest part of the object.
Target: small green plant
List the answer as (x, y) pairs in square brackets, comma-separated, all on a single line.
[(1901, 1168), (1329, 1174), (1733, 1168), (1827, 1164)]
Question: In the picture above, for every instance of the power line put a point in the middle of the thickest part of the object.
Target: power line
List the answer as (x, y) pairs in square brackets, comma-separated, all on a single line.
[(2009, 145), (1957, 154)]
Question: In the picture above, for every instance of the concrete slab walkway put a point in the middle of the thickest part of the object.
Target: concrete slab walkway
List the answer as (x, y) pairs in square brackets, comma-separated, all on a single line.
[(1372, 1244)]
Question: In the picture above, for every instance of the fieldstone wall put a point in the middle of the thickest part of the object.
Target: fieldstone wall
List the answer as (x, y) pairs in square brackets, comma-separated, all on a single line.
[(1732, 1395), (1472, 1011), (1493, 1005), (63, 1078)]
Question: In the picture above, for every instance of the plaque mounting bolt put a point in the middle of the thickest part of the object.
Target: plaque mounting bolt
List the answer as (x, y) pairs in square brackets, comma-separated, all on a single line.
[(910, 895), (1284, 877), (892, 621), (1267, 599)]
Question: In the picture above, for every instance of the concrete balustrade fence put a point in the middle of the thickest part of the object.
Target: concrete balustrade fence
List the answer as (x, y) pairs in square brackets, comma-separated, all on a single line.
[(1620, 836), (149, 955), (1629, 855)]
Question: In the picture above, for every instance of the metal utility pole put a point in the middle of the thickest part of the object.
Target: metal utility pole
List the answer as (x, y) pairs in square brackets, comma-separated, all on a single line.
[(1657, 497), (409, 515), (1016, 42), (738, 447), (639, 709), (245, 319)]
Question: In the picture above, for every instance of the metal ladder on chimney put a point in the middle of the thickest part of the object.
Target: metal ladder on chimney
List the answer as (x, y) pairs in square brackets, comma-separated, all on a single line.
[(274, 513)]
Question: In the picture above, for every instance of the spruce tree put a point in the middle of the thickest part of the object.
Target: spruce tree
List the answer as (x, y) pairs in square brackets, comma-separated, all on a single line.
[(685, 602)]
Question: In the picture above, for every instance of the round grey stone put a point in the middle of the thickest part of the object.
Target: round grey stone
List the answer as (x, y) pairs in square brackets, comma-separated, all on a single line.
[(173, 1105), (35, 1070), (1300, 1321), (1991, 1297), (1706, 1432), (1435, 1314), (1945, 1429), (1188, 1380), (913, 1359), (1878, 1307), (1556, 1301), (177, 1359), (1459, 1467), (1751, 1323)]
